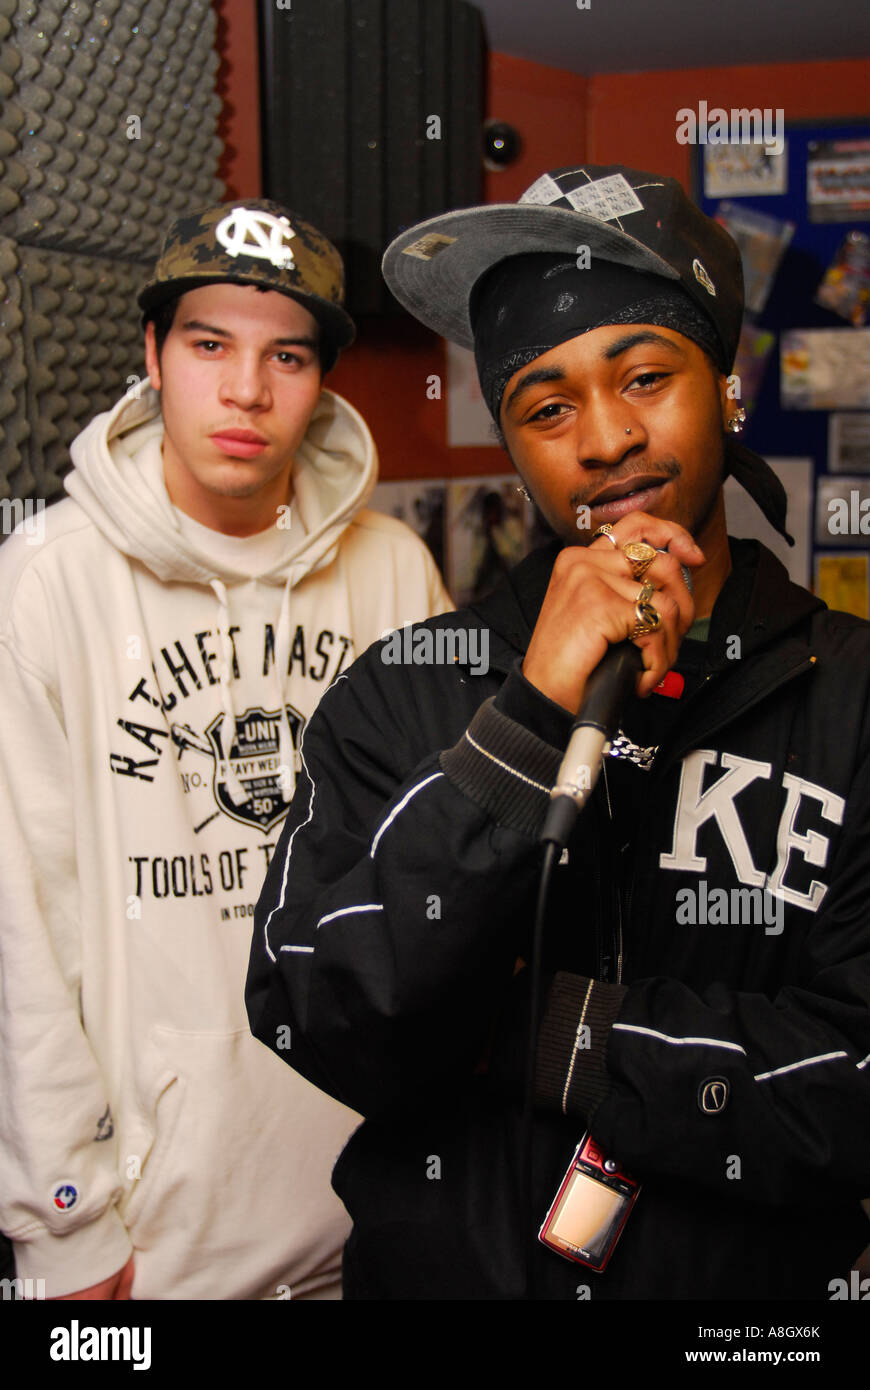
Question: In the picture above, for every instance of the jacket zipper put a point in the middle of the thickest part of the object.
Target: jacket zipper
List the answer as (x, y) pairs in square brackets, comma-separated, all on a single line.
[(617, 896), (598, 913)]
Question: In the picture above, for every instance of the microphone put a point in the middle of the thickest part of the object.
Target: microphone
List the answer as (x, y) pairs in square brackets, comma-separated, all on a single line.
[(607, 689)]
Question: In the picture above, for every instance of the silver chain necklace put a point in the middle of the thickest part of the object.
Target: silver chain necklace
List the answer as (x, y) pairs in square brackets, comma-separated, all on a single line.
[(622, 747)]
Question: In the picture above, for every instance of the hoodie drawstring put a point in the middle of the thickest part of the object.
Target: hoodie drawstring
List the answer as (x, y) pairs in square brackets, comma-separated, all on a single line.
[(286, 749), (227, 773)]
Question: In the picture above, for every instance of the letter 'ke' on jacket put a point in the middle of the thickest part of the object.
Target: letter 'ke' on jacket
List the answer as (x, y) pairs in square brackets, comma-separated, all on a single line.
[(727, 1063)]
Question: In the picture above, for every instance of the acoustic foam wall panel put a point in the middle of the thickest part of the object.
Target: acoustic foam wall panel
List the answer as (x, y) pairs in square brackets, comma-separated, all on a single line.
[(76, 367), (108, 121), (372, 120), (114, 113), (16, 477)]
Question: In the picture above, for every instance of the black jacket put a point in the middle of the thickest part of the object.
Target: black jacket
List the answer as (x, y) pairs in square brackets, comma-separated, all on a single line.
[(400, 900)]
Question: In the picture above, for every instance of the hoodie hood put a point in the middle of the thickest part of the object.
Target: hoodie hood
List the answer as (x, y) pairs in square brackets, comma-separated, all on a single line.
[(334, 473)]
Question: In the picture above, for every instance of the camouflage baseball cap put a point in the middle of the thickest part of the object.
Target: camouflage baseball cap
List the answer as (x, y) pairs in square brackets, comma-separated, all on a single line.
[(253, 241)]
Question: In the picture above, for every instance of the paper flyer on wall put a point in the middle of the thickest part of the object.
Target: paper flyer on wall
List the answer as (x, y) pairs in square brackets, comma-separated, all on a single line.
[(486, 534), (421, 505), (825, 369), (753, 354), (762, 241), (843, 512), (842, 583), (838, 181), (751, 170), (849, 442), (845, 288), (745, 519), (468, 420)]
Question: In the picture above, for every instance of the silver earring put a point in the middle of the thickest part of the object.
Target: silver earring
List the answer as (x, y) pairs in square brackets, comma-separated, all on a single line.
[(735, 422), (524, 491)]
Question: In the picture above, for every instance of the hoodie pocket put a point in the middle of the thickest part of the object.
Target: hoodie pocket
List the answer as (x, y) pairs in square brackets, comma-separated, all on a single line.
[(236, 1197), (165, 1110)]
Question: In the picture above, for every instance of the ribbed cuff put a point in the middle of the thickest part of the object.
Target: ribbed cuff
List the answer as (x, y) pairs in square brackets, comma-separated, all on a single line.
[(572, 1044), (529, 706), (77, 1260), (504, 768)]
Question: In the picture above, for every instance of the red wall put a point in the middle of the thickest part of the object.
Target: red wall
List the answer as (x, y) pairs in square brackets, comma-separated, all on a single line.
[(238, 83), (631, 117), (562, 118)]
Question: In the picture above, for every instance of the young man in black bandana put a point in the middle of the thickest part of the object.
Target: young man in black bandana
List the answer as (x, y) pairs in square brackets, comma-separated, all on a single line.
[(707, 943)]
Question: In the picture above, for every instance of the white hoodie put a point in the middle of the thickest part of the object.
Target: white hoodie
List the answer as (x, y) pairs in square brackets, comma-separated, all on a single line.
[(146, 711)]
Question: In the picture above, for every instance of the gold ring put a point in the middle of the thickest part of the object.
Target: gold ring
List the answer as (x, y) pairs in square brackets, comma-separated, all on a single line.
[(646, 592), (648, 620), (606, 530), (640, 556)]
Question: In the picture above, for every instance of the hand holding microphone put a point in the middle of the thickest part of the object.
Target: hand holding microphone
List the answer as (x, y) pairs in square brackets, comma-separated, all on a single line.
[(590, 605), (613, 608)]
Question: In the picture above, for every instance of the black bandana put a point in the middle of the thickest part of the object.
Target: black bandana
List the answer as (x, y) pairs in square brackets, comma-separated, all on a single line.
[(528, 304)]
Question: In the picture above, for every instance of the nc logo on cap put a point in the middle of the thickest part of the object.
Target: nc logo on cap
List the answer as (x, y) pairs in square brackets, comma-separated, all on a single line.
[(245, 232)]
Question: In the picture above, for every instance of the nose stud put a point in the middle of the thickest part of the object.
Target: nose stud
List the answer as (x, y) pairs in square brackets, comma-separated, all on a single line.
[(628, 431)]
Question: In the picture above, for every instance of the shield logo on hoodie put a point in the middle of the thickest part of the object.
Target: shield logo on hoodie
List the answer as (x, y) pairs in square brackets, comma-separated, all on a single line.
[(249, 784)]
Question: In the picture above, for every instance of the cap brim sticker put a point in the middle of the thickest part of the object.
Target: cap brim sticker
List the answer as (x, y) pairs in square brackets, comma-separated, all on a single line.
[(605, 198), (428, 246), (543, 190)]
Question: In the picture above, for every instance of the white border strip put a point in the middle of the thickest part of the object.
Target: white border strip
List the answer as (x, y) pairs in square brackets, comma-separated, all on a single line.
[(680, 1042), (345, 911), (796, 1066), (506, 767), (301, 826), (401, 806)]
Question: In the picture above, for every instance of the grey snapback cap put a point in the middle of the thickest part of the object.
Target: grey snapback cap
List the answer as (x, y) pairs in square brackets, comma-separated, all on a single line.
[(632, 218)]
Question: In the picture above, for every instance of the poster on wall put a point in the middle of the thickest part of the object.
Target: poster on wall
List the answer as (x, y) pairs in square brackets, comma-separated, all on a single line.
[(421, 505), (753, 352), (838, 181), (843, 512), (748, 171), (745, 519), (849, 442), (825, 369), (468, 420), (845, 287), (842, 583), (762, 242), (487, 525)]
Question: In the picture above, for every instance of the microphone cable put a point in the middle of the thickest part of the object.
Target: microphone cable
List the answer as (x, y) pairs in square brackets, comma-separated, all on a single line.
[(526, 1130)]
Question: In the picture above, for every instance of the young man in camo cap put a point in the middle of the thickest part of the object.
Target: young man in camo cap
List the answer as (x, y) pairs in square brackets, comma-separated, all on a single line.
[(706, 995), (212, 571)]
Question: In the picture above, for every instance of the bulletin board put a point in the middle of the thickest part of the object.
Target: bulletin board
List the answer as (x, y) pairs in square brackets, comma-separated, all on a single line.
[(838, 568)]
